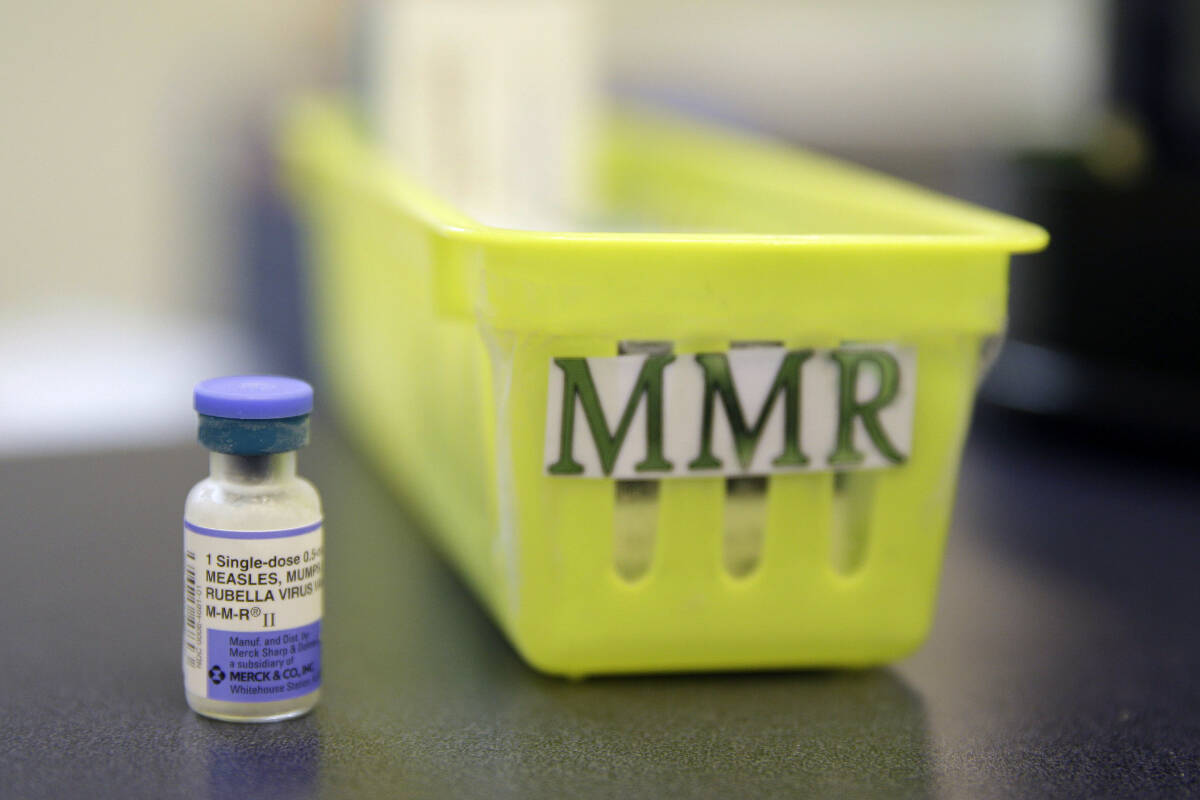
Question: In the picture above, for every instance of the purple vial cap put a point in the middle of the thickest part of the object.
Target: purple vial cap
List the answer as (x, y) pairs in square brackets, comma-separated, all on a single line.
[(253, 397)]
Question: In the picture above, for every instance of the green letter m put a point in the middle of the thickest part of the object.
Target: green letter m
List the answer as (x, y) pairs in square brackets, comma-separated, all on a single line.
[(718, 382), (577, 381)]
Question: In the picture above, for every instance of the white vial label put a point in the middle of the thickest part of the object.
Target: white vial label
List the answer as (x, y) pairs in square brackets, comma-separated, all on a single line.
[(252, 612)]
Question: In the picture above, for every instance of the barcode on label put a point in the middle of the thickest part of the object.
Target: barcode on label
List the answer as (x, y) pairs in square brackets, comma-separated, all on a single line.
[(191, 613)]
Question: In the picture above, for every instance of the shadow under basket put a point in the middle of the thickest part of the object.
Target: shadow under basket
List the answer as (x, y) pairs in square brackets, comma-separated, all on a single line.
[(439, 339)]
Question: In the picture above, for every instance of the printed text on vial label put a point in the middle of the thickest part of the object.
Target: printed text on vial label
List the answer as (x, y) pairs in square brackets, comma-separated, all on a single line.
[(252, 613)]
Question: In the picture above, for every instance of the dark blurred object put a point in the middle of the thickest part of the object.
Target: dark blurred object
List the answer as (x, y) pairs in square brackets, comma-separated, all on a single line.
[(275, 298), (1104, 325)]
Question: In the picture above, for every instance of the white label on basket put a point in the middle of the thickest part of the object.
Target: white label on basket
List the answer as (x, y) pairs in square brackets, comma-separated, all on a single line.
[(750, 411)]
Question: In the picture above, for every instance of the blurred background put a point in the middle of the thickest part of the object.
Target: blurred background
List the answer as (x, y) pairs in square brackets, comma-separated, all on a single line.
[(147, 244)]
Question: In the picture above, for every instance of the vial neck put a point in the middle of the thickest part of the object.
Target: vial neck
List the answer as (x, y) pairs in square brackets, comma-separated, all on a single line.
[(252, 469)]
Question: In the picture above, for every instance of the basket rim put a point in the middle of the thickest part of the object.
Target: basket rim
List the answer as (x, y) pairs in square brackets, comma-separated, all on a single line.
[(320, 138)]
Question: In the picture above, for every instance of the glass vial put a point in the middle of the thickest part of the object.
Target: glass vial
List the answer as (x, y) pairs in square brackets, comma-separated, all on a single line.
[(253, 549)]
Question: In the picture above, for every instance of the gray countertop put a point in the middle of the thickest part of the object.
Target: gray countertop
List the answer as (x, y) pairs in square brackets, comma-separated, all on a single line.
[(1065, 659)]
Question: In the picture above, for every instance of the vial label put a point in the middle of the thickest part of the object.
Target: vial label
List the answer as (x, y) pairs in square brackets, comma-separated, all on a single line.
[(252, 612)]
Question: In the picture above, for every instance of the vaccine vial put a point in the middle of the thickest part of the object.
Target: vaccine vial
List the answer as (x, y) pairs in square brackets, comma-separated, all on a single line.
[(253, 551)]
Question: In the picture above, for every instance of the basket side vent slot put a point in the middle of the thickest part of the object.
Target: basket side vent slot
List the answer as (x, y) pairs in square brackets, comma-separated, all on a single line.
[(745, 524), (636, 506), (745, 506), (853, 495)]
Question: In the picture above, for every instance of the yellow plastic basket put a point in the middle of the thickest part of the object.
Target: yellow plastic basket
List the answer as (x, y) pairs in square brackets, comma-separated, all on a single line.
[(437, 336)]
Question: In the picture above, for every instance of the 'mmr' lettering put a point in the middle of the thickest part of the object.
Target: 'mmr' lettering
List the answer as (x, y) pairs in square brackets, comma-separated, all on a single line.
[(850, 363), (577, 381), (718, 382)]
